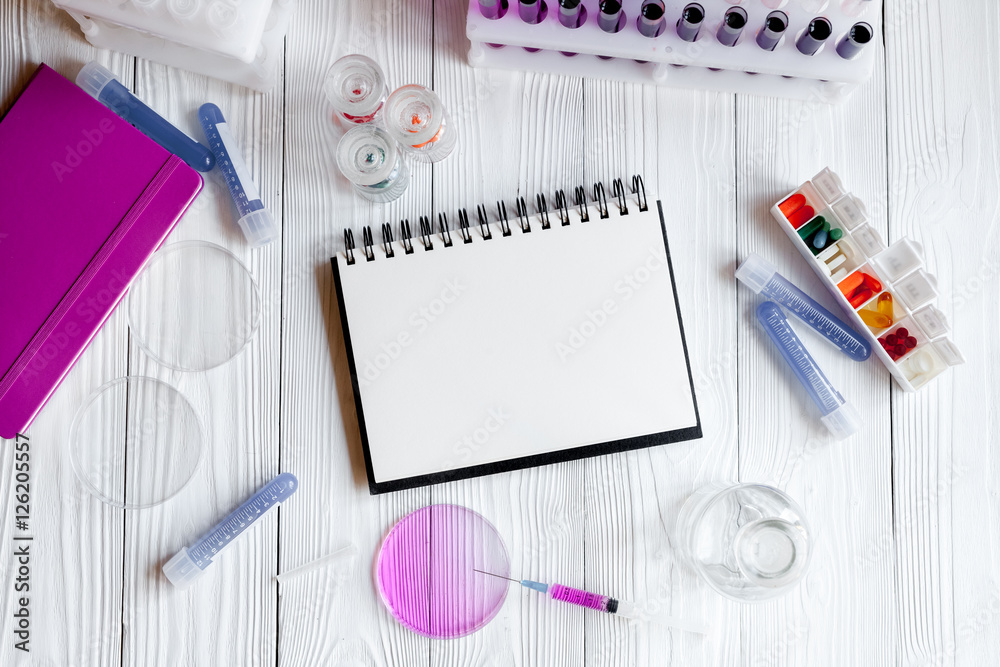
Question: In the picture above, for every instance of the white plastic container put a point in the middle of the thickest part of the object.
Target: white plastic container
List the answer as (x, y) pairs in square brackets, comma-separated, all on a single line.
[(236, 42)]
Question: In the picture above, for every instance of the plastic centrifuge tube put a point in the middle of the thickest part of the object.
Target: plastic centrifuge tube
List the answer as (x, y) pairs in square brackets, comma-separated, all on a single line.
[(190, 562), (415, 117), (255, 221), (763, 278), (101, 83), (839, 416)]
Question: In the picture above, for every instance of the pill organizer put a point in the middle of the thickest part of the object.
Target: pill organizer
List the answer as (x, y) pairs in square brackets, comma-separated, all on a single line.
[(240, 42), (586, 50), (829, 226)]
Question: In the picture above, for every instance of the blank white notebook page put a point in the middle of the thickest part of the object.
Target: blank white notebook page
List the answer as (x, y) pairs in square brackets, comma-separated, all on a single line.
[(519, 346)]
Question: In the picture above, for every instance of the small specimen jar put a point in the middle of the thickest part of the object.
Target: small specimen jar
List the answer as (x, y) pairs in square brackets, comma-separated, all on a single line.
[(355, 85), (368, 157), (415, 117)]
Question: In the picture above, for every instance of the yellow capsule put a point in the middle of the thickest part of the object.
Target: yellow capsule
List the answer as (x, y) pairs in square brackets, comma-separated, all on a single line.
[(885, 306), (875, 319)]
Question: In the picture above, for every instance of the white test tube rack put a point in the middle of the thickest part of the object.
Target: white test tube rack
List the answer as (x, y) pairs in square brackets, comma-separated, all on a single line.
[(668, 60)]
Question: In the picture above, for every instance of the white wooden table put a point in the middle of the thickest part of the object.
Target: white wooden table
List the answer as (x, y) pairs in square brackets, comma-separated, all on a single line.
[(906, 568)]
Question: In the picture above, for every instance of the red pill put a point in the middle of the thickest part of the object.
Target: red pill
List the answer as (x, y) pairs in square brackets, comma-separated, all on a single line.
[(860, 296), (801, 216), (900, 350), (872, 283), (902, 333), (891, 339), (911, 342)]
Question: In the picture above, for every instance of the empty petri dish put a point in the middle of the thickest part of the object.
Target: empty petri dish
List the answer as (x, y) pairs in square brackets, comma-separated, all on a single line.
[(194, 307), (426, 571), (135, 442)]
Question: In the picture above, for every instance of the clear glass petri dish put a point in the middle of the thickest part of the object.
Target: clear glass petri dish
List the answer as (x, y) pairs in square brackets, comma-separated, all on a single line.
[(136, 442), (194, 307)]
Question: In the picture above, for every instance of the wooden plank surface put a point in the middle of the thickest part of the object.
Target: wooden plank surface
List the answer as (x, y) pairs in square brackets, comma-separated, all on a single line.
[(904, 570)]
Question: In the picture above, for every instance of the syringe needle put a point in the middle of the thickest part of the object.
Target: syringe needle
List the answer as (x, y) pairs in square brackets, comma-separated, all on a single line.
[(498, 576)]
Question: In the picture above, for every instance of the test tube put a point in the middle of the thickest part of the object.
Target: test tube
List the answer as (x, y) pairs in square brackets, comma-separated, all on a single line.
[(255, 221), (570, 13), (690, 23), (530, 11), (368, 157), (493, 9), (650, 22), (812, 39), (415, 117), (732, 26), (101, 83), (838, 415), (763, 278), (854, 41), (355, 85), (609, 16), (774, 27)]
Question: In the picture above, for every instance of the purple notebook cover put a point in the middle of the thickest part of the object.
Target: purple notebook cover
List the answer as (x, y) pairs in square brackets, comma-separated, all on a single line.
[(85, 199)]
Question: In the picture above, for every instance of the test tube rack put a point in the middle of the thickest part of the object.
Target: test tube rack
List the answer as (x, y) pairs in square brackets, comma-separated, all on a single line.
[(899, 269), (240, 42), (508, 42)]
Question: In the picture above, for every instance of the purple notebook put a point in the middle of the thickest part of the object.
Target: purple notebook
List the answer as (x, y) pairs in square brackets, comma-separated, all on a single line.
[(85, 199)]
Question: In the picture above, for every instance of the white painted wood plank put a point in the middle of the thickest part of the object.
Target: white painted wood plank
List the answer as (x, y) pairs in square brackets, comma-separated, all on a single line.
[(942, 176), (681, 142), (843, 487), (519, 136), (229, 613), (332, 617), (76, 566)]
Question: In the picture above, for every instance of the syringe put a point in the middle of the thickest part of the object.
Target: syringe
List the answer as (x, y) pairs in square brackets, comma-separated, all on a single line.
[(188, 564), (838, 415), (603, 603), (763, 278), (255, 221)]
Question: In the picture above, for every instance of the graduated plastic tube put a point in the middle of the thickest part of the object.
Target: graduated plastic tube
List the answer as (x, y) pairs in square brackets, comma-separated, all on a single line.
[(838, 415), (763, 278), (100, 82)]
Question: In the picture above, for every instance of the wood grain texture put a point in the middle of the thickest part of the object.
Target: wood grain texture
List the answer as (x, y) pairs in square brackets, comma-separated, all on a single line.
[(904, 570)]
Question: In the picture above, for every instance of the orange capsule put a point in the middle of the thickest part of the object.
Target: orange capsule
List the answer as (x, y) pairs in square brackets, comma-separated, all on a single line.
[(852, 282)]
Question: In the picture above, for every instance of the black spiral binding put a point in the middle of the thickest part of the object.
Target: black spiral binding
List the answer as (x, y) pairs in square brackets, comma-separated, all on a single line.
[(580, 200), (618, 190), (601, 199), (484, 223), (349, 245), (444, 231), (368, 243), (637, 186), (561, 209), (405, 236), (543, 210), (426, 231), (387, 240), (522, 215), (463, 226), (502, 215)]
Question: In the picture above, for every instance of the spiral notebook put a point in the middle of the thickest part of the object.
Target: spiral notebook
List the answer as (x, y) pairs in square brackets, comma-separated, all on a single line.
[(546, 335)]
